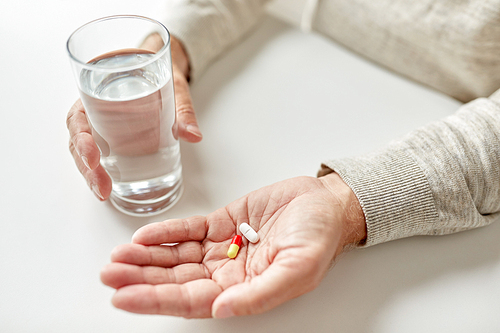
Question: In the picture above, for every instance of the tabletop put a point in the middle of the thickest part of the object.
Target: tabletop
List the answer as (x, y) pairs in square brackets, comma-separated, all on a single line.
[(273, 107)]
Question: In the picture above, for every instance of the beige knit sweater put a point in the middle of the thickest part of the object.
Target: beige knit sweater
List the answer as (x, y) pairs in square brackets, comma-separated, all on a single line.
[(439, 179)]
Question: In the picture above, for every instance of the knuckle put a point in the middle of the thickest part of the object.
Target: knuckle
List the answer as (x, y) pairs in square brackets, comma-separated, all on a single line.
[(73, 112), (69, 118), (185, 110), (75, 138), (71, 146), (179, 78)]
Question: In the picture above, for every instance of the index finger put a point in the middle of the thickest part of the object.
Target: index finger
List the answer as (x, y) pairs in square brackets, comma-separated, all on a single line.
[(172, 231)]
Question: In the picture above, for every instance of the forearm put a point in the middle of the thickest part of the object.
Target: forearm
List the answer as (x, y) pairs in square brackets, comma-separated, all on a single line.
[(442, 178), (460, 157), (207, 28)]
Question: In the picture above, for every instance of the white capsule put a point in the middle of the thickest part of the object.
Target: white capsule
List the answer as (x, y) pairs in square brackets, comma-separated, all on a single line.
[(249, 233)]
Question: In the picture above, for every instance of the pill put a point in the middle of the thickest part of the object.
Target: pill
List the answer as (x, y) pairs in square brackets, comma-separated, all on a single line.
[(249, 233), (232, 252)]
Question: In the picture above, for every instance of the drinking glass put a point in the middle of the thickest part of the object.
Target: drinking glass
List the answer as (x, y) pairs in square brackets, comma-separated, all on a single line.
[(128, 95)]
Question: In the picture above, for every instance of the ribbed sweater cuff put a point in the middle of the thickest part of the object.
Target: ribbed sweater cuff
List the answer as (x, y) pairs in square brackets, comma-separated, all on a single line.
[(208, 28), (393, 192)]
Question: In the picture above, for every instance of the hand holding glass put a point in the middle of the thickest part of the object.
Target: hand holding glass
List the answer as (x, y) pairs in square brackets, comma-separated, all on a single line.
[(128, 97)]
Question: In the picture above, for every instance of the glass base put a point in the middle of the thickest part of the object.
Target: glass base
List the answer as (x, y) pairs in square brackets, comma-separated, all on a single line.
[(148, 207)]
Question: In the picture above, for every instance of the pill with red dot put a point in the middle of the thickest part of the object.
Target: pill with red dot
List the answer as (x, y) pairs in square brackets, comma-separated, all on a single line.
[(232, 252)]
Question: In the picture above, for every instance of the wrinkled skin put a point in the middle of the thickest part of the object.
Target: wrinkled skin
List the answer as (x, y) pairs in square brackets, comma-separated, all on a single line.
[(83, 146), (303, 223)]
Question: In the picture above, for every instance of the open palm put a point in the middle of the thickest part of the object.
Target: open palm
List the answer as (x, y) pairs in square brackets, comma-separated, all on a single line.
[(301, 224)]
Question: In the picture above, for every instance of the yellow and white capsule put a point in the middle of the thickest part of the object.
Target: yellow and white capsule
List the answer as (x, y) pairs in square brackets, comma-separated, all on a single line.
[(232, 252)]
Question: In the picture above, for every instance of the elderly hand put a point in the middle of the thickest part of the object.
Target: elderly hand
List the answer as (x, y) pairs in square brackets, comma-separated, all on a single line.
[(82, 145), (303, 224)]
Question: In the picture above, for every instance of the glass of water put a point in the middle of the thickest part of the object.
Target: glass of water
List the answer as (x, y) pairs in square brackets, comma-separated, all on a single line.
[(128, 95)]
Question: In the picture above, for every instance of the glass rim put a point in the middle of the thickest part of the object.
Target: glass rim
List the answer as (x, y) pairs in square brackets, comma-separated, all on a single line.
[(88, 66)]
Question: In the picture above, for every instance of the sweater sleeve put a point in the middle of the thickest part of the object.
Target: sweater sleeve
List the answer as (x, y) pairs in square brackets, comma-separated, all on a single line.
[(208, 27), (439, 179)]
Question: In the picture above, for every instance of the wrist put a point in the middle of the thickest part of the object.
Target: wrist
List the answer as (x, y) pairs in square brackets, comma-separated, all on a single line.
[(351, 214)]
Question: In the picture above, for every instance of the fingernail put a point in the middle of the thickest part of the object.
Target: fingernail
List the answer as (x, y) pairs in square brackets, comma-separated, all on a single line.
[(224, 312), (95, 188), (194, 130), (86, 162)]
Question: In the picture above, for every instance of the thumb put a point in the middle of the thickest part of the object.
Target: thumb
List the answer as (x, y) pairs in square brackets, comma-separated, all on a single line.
[(276, 285), (187, 124)]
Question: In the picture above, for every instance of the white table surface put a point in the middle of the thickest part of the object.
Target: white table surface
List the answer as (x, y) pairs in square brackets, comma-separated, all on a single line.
[(272, 108)]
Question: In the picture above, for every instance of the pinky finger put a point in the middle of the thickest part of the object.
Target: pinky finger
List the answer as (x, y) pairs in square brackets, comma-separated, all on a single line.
[(192, 299)]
